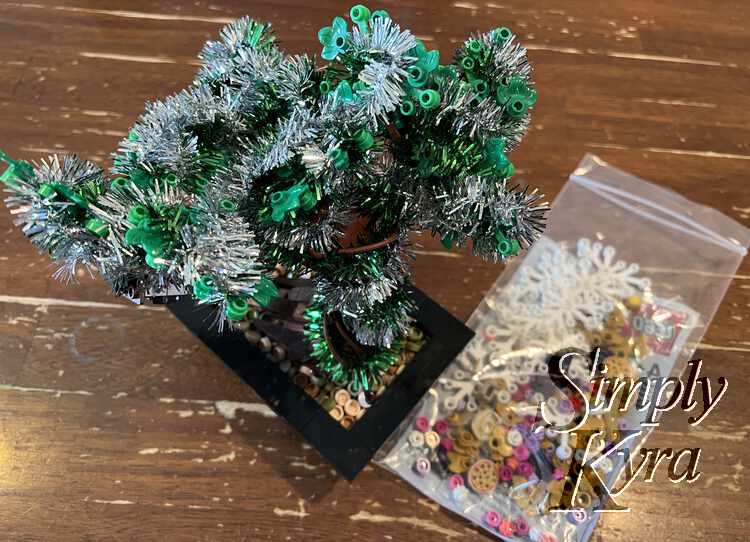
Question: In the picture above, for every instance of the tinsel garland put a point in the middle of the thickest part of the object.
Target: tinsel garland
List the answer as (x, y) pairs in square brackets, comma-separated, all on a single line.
[(268, 160), (359, 373)]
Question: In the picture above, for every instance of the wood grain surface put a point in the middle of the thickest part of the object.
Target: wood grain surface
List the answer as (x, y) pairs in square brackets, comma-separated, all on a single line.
[(116, 424)]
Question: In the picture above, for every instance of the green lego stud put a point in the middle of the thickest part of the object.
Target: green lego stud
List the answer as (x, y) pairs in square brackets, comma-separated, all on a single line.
[(417, 76), (97, 226), (170, 178), (325, 87), (333, 38), (265, 291), (467, 64), (501, 35), (287, 201), (339, 158), (480, 88), (429, 99), (228, 206), (475, 48), (204, 287), (363, 139), (360, 16), (505, 246), (120, 183), (516, 96), (237, 308), (407, 108), (200, 184), (137, 214)]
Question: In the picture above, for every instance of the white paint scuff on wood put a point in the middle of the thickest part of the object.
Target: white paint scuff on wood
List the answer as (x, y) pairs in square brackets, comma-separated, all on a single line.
[(420, 523), (301, 513), (226, 458), (54, 302), (129, 58), (133, 14), (56, 393), (229, 409)]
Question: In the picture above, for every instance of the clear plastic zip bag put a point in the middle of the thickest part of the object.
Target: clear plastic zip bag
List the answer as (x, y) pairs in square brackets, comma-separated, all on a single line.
[(620, 289)]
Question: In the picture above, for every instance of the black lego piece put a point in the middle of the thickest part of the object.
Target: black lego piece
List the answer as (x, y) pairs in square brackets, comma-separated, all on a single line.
[(348, 450)]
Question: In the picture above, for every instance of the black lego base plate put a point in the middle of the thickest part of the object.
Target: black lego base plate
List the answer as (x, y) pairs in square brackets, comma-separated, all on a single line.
[(348, 450)]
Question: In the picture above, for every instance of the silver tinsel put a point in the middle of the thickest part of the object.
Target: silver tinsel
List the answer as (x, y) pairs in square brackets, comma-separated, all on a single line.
[(253, 111), (48, 222)]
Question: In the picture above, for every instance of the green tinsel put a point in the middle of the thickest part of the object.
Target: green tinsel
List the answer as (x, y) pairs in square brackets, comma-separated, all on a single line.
[(360, 375)]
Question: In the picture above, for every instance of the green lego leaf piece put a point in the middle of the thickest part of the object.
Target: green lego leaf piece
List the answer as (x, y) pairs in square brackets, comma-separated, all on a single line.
[(448, 239), (199, 184), (120, 183), (339, 157), (333, 38), (344, 93), (516, 96), (505, 246), (69, 194), (444, 73), (46, 191), (358, 87), (265, 291), (429, 60), (204, 287), (153, 239), (287, 201), (495, 158), (17, 169), (97, 226), (380, 14), (141, 178), (426, 63), (137, 214), (363, 139), (170, 178)]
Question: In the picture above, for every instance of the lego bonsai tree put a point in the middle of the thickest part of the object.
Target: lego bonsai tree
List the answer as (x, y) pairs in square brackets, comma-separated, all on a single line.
[(267, 160)]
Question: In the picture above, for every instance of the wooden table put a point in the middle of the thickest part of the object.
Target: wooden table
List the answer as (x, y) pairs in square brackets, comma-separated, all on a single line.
[(116, 424)]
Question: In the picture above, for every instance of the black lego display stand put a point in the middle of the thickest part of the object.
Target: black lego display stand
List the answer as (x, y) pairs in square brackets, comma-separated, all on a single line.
[(348, 450)]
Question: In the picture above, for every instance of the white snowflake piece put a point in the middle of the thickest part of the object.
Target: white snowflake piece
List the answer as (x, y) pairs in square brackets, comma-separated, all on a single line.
[(552, 294)]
